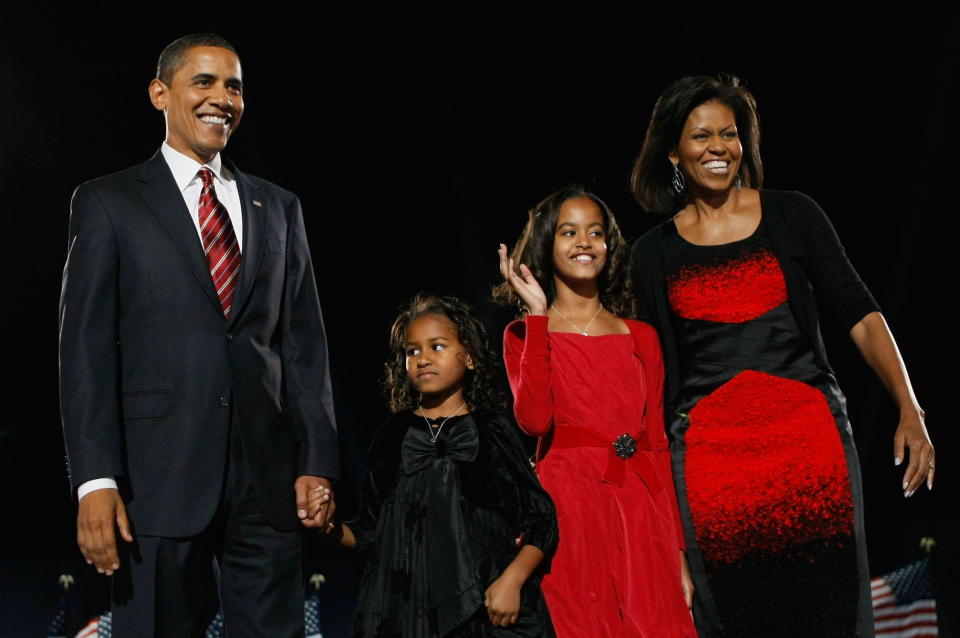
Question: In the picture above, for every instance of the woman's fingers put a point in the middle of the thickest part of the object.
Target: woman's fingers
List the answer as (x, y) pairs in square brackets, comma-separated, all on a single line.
[(921, 466)]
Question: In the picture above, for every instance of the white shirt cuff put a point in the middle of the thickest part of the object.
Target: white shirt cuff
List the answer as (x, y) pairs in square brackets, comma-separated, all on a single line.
[(95, 484)]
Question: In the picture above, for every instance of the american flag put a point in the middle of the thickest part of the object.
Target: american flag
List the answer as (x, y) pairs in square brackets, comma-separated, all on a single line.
[(215, 630), (904, 605), (58, 626), (312, 607), (99, 627)]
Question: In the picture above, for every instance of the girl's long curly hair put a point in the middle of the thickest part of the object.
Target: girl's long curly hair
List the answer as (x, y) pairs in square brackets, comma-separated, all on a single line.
[(480, 388), (535, 249)]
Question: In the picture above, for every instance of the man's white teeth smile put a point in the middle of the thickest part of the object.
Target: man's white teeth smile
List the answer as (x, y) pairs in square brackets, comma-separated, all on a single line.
[(214, 119), (716, 166)]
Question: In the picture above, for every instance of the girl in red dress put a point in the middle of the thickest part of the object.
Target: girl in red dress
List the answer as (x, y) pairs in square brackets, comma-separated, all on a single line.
[(589, 384)]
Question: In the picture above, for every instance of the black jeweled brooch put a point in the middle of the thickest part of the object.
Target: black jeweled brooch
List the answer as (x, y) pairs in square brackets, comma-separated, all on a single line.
[(625, 446)]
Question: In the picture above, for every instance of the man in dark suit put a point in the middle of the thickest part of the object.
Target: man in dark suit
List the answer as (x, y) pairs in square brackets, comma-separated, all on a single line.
[(194, 383)]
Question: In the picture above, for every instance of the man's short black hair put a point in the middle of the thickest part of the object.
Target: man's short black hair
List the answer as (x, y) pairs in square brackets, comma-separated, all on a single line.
[(172, 57)]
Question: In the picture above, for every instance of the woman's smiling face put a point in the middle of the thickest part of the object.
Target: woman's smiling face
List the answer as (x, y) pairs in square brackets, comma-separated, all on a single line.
[(709, 149)]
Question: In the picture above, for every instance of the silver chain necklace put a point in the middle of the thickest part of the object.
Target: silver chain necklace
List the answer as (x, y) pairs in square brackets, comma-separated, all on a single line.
[(434, 437), (575, 327)]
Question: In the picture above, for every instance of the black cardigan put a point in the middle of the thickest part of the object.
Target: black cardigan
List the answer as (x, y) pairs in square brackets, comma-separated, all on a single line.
[(500, 479), (810, 255)]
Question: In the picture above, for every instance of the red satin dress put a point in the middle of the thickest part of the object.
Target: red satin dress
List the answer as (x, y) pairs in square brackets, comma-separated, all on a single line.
[(616, 571)]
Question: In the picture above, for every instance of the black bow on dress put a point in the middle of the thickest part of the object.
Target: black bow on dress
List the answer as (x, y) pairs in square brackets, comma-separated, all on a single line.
[(452, 579)]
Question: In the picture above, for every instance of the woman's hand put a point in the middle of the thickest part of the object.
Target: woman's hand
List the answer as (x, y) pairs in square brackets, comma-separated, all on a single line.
[(686, 581), (912, 434), (502, 600), (875, 341), (524, 284)]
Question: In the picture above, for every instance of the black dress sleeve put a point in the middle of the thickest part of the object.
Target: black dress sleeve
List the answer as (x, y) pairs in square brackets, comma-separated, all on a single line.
[(834, 278), (383, 463), (642, 276), (526, 506)]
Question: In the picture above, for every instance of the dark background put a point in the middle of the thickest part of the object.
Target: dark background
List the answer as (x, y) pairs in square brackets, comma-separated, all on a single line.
[(418, 142)]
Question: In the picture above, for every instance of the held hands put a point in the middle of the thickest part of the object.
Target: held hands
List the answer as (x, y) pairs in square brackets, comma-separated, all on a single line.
[(315, 502), (525, 285), (337, 533), (912, 433), (502, 600), (99, 512)]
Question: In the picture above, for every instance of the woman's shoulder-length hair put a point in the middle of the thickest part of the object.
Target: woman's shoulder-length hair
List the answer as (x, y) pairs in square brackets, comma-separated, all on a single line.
[(651, 179)]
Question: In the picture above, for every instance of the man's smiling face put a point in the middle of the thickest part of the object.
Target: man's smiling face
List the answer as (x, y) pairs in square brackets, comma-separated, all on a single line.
[(203, 102)]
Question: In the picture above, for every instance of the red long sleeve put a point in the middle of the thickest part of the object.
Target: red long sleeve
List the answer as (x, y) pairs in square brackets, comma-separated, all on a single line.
[(649, 345), (526, 354)]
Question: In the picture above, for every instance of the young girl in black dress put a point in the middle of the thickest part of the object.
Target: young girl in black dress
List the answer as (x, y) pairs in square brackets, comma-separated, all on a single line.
[(453, 520)]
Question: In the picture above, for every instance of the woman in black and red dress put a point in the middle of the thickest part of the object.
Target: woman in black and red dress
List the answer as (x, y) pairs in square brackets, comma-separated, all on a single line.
[(763, 456)]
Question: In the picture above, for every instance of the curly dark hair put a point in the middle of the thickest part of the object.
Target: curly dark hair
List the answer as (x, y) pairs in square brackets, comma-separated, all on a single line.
[(481, 388), (535, 249), (650, 181)]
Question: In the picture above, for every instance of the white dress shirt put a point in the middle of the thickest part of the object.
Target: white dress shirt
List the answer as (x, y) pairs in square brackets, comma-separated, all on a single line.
[(185, 172)]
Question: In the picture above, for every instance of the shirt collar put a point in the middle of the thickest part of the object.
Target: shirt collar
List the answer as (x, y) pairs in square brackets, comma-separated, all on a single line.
[(185, 168)]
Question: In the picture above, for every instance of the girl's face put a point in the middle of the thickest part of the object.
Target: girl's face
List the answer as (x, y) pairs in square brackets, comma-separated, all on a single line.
[(436, 360), (709, 149), (580, 242)]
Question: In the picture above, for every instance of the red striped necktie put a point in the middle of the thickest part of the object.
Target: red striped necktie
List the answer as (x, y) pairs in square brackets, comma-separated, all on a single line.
[(219, 242)]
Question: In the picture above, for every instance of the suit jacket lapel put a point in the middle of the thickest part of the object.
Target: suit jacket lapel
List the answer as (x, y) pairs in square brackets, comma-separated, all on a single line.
[(253, 208), (162, 196)]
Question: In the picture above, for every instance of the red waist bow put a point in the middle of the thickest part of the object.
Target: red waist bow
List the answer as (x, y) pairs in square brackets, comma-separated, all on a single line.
[(623, 452)]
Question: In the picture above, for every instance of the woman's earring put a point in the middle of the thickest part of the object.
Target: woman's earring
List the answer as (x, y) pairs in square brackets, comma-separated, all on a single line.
[(679, 185), (738, 182)]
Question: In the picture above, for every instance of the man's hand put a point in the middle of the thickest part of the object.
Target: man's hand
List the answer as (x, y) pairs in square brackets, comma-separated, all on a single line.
[(316, 512), (100, 511)]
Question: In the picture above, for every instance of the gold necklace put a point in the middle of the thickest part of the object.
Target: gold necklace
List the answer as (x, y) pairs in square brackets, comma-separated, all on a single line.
[(575, 327), (434, 437)]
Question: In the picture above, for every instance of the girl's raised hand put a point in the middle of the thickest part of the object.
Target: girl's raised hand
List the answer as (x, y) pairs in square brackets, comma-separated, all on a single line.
[(524, 284)]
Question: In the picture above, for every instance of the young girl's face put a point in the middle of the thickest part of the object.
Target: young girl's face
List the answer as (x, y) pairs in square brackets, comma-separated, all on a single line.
[(580, 242), (437, 362)]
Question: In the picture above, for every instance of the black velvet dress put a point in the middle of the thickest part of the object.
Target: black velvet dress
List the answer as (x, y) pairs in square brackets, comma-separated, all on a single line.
[(438, 524)]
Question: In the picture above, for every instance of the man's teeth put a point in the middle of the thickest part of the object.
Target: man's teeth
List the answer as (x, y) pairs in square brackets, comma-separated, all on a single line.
[(213, 119)]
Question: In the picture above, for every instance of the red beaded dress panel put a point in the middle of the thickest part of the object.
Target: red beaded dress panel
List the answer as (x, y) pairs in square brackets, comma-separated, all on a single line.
[(765, 481)]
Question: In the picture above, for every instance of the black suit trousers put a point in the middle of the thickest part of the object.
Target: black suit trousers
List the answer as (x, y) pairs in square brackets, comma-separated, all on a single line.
[(168, 587)]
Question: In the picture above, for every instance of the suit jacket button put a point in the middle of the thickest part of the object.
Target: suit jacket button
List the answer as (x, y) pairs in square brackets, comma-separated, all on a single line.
[(229, 336), (225, 402)]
